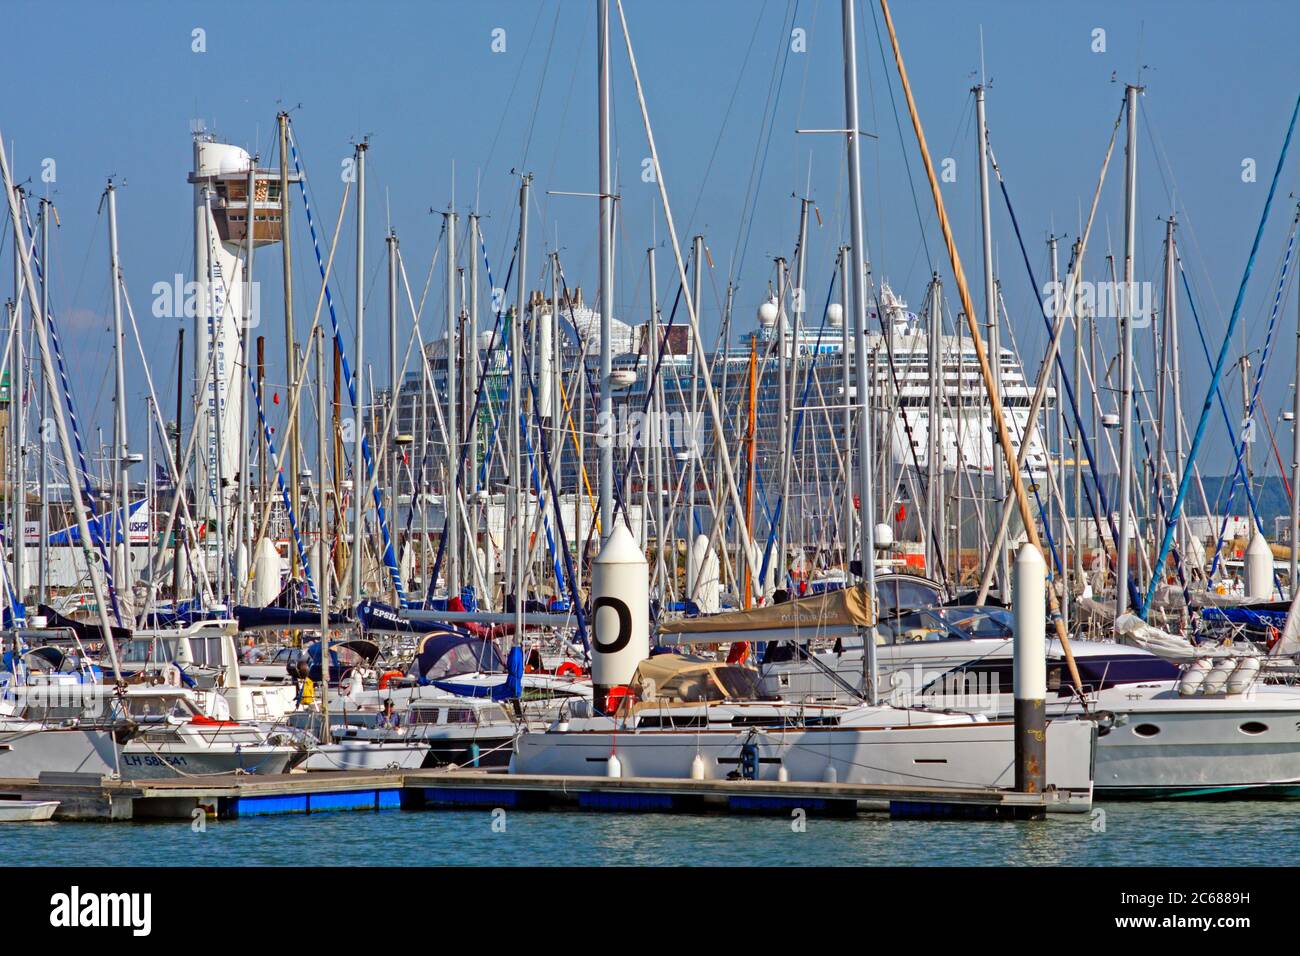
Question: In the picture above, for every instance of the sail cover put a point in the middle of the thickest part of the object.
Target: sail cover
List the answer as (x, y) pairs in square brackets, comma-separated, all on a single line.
[(845, 609)]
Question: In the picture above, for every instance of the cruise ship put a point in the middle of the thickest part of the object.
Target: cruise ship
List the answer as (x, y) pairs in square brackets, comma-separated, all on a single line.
[(812, 359)]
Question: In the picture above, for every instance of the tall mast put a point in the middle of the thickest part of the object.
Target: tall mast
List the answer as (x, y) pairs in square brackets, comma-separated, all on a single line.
[(857, 250), (263, 488), (471, 388), (44, 546), (290, 350), (178, 538), (1076, 450), (453, 428), (657, 429), (1171, 334), (847, 339), (520, 512), (934, 431), (799, 305), (1056, 461), (991, 323), (783, 424), (1295, 447), (18, 415), (323, 585), (692, 463), (119, 405), (394, 387), (1126, 358), (606, 277), (243, 543), (358, 418)]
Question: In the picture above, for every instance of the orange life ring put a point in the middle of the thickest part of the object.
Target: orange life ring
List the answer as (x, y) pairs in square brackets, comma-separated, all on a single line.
[(568, 669), (387, 676)]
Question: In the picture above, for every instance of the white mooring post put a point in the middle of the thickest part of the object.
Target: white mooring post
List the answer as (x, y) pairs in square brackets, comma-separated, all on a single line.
[(1030, 601), (1259, 568), (620, 613)]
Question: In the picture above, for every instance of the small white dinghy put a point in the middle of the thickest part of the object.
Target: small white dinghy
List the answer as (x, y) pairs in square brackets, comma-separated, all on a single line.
[(26, 811)]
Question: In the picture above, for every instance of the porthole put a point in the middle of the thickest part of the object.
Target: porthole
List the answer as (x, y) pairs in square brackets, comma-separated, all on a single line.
[(1146, 730), (1253, 727)]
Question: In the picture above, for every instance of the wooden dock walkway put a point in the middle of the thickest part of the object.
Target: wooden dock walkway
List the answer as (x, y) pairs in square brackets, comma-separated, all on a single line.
[(231, 796)]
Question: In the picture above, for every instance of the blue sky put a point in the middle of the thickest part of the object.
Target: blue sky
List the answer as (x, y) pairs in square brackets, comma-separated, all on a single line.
[(112, 89)]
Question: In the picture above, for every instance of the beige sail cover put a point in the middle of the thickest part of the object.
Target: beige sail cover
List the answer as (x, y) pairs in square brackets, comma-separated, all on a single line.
[(847, 606)]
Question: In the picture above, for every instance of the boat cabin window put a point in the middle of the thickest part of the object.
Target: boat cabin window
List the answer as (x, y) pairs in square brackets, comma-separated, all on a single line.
[(206, 650), (423, 715), (460, 715), (156, 708), (947, 624), (898, 595), (144, 650)]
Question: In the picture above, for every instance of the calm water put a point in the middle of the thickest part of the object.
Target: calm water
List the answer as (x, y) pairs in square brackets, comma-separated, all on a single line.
[(1172, 834)]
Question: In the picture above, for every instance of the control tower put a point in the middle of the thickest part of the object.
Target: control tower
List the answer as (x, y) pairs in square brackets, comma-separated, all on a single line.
[(222, 213)]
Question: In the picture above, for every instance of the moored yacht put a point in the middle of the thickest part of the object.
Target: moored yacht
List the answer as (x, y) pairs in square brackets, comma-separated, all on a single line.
[(685, 718)]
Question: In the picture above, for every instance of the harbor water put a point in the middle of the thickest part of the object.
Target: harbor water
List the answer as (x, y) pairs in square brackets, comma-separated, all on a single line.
[(1241, 833)]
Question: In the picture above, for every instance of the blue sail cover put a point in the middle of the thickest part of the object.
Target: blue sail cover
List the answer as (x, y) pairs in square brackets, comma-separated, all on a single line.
[(283, 617), (377, 616)]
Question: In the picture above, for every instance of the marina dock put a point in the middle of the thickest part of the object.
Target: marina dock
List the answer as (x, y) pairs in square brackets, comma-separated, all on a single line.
[(236, 796)]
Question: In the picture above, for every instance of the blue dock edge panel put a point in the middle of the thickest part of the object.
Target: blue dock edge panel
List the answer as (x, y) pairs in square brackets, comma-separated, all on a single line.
[(747, 804), (328, 802), (468, 797), (614, 800)]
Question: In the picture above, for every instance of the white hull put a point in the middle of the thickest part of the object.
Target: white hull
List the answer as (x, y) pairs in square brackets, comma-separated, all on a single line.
[(977, 754), (27, 753), (27, 811), (367, 755), (1163, 745), (165, 761)]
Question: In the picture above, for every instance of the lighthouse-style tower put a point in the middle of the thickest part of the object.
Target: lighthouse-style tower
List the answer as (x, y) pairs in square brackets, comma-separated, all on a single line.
[(222, 213)]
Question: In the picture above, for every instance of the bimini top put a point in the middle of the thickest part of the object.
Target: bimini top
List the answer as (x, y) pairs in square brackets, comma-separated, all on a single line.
[(836, 613), (674, 678)]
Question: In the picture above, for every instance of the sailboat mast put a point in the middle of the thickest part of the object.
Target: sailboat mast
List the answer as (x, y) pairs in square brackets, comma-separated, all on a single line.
[(606, 188), (18, 415), (846, 389), (520, 521), (934, 431), (243, 544), (471, 388), (323, 585), (857, 249), (994, 337), (394, 386), (1295, 456), (290, 350), (453, 427), (119, 404), (1076, 449), (358, 362), (1126, 358), (177, 534), (44, 545)]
